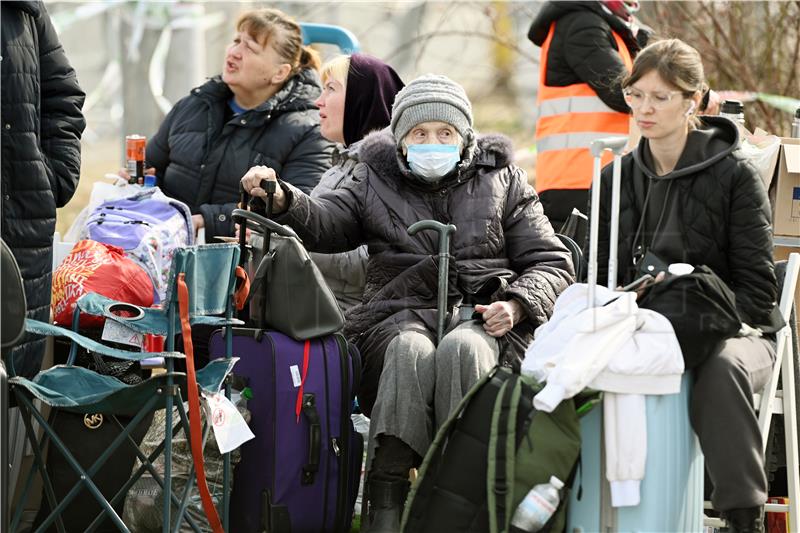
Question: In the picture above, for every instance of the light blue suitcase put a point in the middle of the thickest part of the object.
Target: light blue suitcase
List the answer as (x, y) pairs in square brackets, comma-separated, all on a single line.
[(672, 488)]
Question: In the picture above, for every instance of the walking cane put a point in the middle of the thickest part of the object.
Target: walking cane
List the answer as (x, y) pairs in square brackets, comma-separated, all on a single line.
[(444, 231)]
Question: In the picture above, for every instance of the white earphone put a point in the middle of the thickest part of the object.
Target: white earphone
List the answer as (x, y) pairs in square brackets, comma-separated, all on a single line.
[(691, 109)]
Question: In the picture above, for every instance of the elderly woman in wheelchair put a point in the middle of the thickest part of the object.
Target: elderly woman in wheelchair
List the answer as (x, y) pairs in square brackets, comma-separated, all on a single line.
[(508, 269)]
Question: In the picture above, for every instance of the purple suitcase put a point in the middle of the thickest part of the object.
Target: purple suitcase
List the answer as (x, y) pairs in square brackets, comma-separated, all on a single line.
[(299, 474)]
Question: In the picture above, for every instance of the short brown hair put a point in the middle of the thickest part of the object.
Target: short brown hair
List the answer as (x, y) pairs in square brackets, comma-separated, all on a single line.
[(277, 29)]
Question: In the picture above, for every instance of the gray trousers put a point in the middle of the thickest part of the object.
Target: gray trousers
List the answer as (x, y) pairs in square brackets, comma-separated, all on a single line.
[(419, 387), (723, 416)]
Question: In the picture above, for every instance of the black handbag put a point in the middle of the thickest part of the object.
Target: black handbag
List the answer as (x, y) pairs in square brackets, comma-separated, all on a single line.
[(701, 309), (288, 292), (87, 437)]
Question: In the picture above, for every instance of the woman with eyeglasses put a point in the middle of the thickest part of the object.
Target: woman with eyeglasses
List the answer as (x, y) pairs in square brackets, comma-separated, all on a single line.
[(690, 196)]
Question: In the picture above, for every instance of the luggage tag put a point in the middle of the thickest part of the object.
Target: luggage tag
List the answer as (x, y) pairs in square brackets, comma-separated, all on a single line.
[(230, 428), (113, 331)]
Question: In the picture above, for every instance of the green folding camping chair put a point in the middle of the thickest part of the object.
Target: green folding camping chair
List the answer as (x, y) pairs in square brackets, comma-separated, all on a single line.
[(202, 290)]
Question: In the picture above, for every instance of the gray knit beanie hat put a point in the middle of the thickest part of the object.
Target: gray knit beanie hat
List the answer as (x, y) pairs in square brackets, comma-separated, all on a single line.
[(431, 98)]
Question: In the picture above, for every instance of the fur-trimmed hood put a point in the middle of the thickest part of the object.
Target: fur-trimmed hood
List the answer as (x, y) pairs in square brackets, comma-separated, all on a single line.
[(379, 151)]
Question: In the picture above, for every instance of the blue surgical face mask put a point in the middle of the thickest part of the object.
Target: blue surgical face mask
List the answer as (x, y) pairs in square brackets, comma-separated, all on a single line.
[(432, 162)]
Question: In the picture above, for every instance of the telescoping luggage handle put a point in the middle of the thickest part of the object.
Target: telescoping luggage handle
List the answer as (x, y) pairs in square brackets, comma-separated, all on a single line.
[(616, 145), (242, 216), (306, 402), (444, 231)]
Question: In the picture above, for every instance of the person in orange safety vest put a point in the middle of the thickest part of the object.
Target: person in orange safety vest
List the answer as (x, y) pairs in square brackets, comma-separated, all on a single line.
[(587, 46)]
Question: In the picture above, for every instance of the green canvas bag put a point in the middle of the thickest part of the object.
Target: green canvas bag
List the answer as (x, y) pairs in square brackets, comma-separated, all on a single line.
[(492, 450)]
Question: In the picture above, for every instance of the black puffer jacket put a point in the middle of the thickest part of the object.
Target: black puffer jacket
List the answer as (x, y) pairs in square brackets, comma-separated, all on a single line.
[(200, 157), (711, 210), (42, 127), (504, 246), (583, 50)]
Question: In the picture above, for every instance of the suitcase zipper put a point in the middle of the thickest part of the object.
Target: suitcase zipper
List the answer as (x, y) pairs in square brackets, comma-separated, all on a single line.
[(266, 510), (343, 457), (327, 475)]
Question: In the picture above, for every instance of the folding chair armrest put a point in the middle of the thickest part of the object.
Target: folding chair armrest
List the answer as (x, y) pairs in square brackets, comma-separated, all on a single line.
[(43, 328), (152, 320)]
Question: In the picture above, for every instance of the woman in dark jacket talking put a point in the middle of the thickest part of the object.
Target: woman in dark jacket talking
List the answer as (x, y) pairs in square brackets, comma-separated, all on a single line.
[(260, 111), (690, 196), (508, 264)]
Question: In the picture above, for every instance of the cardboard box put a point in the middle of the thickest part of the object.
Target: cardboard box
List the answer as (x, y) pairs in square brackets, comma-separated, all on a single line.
[(786, 220)]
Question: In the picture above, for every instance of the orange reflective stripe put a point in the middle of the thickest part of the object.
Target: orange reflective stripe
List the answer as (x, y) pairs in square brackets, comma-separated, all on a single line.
[(611, 123), (563, 160), (623, 51), (543, 63), (576, 89), (550, 172)]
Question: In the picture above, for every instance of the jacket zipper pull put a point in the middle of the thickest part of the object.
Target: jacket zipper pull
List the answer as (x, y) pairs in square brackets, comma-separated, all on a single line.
[(335, 446)]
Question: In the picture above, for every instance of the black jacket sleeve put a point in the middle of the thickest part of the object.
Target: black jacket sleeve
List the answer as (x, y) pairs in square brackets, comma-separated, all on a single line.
[(157, 151), (752, 269), (591, 52), (62, 121), (329, 223), (308, 161), (217, 220), (544, 265)]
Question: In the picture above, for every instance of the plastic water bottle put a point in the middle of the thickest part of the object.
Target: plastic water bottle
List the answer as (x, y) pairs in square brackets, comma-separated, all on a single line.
[(796, 124), (538, 506)]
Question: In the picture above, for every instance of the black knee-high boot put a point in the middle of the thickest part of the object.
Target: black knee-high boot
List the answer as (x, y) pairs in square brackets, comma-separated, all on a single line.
[(388, 484)]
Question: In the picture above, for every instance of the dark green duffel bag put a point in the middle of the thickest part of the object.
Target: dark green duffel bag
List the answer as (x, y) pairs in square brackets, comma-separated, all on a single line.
[(494, 448)]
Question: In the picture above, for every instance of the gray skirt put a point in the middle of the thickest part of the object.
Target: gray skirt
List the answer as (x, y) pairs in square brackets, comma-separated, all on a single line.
[(421, 384)]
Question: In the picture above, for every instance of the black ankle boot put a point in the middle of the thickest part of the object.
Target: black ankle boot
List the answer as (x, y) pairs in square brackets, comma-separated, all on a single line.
[(749, 520), (386, 501)]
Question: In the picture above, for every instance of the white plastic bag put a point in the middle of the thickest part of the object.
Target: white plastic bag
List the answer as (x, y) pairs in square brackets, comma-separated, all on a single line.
[(762, 149)]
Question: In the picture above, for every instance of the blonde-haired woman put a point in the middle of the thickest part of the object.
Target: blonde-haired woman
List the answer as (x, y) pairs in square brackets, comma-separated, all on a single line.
[(259, 111), (357, 96), (690, 196)]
